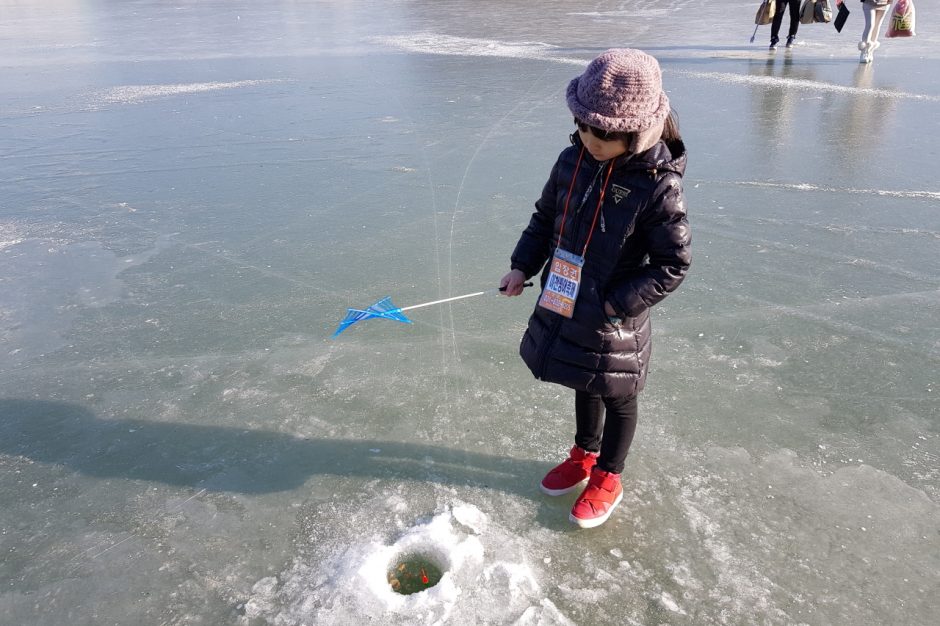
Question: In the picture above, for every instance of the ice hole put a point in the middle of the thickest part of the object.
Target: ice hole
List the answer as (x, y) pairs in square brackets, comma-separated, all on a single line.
[(413, 572)]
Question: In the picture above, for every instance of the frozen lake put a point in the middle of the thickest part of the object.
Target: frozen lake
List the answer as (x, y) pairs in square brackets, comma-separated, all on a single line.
[(194, 192)]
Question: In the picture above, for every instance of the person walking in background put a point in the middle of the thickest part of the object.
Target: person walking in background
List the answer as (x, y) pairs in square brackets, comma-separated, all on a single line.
[(875, 11), (794, 8), (611, 239)]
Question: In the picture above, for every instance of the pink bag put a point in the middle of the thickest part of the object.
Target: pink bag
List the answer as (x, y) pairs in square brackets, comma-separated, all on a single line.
[(902, 19)]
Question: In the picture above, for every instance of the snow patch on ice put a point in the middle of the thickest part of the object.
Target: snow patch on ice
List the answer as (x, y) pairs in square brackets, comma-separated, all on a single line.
[(471, 517), (9, 235), (479, 583), (131, 94), (242, 394), (804, 85), (545, 614), (670, 603), (435, 43), (928, 195)]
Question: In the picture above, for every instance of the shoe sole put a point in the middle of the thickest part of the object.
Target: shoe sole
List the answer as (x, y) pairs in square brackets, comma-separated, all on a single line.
[(596, 521), (560, 492)]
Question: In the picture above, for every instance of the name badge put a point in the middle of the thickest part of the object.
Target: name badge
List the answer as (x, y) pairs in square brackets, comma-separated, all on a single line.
[(564, 281)]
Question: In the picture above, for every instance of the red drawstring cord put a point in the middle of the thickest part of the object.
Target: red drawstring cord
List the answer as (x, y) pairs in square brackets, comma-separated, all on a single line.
[(564, 216), (600, 202)]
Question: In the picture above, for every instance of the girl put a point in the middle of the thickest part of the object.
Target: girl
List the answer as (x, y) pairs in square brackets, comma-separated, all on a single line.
[(612, 221), (875, 11)]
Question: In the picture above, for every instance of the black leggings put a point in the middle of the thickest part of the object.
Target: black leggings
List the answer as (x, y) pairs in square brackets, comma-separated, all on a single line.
[(611, 436), (778, 17)]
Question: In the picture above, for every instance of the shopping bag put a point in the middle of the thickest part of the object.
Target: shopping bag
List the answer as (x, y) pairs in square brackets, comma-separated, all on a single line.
[(841, 16), (765, 15), (765, 12), (822, 13), (902, 19), (808, 12)]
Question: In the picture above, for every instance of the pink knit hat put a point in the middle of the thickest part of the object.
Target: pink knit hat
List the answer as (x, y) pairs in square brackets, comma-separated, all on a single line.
[(621, 91)]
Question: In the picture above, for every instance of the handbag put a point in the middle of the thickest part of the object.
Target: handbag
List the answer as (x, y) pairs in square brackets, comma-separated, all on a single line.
[(765, 15), (841, 16), (822, 12), (765, 12), (808, 12), (902, 19)]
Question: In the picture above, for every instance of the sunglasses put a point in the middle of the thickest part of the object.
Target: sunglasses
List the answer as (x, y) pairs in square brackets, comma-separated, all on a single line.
[(603, 135)]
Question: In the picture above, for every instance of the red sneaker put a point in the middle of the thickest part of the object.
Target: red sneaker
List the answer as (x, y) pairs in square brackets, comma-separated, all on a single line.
[(598, 500), (573, 471)]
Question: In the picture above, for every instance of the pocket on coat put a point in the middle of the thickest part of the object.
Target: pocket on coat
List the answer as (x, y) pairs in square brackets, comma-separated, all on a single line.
[(596, 316)]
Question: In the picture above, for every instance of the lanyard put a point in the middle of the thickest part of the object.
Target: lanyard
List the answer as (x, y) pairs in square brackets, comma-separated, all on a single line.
[(600, 201)]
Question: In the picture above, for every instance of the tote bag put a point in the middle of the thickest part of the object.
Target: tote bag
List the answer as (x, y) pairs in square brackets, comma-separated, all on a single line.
[(822, 12), (808, 12), (765, 12), (902, 19)]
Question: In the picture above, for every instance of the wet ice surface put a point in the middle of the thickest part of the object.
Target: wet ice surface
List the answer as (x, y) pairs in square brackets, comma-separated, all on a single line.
[(194, 193)]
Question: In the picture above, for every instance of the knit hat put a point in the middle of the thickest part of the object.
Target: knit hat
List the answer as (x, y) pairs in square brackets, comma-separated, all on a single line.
[(620, 91)]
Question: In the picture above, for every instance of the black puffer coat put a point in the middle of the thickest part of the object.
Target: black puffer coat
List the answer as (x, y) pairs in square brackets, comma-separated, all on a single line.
[(639, 252)]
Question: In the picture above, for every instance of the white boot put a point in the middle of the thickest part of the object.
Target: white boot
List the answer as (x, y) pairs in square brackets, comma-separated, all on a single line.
[(866, 55)]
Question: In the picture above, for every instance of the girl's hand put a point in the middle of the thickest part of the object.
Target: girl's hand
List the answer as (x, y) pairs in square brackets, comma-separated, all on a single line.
[(512, 282), (609, 310)]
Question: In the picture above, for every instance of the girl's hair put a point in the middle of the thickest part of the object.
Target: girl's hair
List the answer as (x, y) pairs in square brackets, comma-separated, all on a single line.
[(670, 131), (671, 128)]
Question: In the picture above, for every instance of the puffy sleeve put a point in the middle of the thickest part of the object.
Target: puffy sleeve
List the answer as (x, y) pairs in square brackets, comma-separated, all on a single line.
[(535, 244), (664, 229)]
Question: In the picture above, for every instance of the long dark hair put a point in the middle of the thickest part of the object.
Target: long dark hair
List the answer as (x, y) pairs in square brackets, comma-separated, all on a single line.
[(671, 128)]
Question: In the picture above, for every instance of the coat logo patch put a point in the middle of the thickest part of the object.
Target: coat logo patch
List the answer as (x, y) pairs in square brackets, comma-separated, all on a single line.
[(619, 193)]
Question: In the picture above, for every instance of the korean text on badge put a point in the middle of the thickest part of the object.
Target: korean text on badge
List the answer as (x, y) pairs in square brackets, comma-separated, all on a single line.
[(564, 281)]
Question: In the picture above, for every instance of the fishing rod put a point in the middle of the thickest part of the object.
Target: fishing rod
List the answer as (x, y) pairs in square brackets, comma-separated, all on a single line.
[(385, 309)]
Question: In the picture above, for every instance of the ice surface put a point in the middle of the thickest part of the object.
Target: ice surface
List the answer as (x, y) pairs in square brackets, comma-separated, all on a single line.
[(195, 192)]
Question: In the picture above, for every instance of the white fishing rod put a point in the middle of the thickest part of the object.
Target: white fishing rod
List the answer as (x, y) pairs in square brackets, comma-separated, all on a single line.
[(468, 295)]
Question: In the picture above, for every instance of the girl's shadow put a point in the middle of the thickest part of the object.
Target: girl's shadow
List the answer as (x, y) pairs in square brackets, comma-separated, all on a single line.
[(221, 458)]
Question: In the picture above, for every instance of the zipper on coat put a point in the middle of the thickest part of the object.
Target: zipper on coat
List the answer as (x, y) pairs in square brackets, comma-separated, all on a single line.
[(584, 199), (556, 327)]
